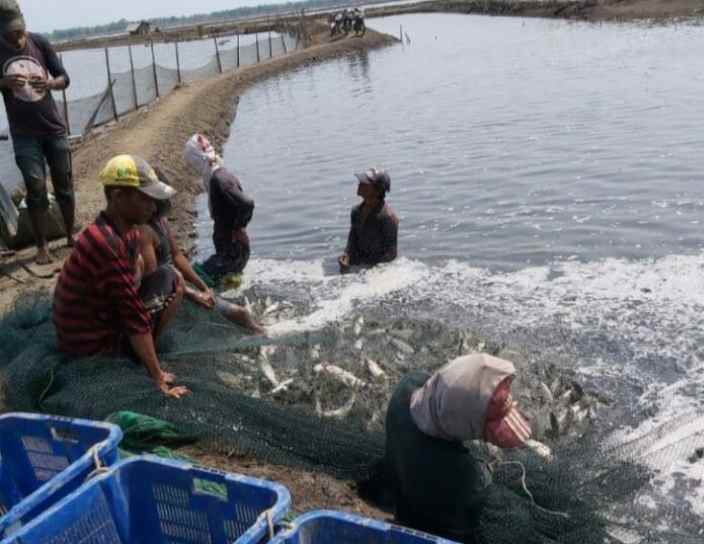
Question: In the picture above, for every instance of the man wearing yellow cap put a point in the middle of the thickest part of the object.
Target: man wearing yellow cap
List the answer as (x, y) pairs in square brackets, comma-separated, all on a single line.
[(97, 304)]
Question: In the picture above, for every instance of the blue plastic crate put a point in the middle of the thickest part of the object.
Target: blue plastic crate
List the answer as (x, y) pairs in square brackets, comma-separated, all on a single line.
[(151, 500), (326, 527), (44, 458)]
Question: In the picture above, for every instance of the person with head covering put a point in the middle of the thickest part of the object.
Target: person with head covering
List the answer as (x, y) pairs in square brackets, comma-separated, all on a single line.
[(438, 486), (102, 305), (373, 236), (158, 249), (31, 69), (230, 208)]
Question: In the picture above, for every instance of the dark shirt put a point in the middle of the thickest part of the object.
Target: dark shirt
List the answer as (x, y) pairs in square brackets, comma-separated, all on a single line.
[(28, 112), (231, 210), (438, 486), (160, 226), (374, 241), (96, 301)]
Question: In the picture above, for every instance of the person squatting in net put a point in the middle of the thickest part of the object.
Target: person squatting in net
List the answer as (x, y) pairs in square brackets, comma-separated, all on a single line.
[(230, 208), (99, 302), (438, 486), (158, 249), (373, 236), (38, 130)]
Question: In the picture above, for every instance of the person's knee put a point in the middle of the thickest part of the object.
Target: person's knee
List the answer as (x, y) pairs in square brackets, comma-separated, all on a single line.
[(37, 197)]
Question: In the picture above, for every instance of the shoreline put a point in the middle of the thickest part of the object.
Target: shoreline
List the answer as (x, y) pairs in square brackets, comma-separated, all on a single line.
[(158, 132)]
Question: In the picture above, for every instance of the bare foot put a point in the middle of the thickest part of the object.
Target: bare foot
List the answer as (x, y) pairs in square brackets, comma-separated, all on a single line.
[(43, 256)]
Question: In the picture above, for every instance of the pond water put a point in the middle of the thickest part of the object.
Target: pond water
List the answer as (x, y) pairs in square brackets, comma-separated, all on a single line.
[(547, 177)]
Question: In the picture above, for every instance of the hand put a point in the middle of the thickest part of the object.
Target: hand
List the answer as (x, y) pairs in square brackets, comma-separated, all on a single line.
[(40, 84), (13, 82), (208, 299), (167, 378), (344, 261), (175, 392)]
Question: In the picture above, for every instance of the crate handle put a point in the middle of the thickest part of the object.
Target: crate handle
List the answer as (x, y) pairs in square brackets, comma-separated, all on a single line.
[(64, 435)]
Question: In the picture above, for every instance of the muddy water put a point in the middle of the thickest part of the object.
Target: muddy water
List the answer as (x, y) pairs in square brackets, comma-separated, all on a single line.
[(547, 178)]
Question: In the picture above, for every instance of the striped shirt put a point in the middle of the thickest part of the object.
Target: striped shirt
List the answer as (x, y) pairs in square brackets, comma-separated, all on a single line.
[(96, 303)]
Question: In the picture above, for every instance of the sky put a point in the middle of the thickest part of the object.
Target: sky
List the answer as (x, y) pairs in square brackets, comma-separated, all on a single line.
[(49, 15)]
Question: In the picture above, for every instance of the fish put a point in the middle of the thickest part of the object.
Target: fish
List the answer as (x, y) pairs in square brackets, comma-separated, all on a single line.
[(271, 308), (403, 334), (374, 369), (547, 394), (358, 324), (228, 379), (282, 387), (339, 413), (402, 346), (268, 371), (314, 353), (341, 375), (540, 449), (359, 344)]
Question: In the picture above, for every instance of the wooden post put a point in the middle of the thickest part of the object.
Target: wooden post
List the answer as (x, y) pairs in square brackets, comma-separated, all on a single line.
[(283, 43), (156, 78), (178, 64), (270, 51), (238, 50), (63, 94), (400, 33), (112, 93), (94, 115), (134, 79), (256, 36), (217, 54)]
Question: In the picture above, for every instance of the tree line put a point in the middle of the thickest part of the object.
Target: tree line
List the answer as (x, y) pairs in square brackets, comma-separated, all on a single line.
[(120, 26)]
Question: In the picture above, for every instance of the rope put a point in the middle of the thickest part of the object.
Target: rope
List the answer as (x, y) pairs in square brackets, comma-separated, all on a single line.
[(527, 491), (99, 467), (269, 522)]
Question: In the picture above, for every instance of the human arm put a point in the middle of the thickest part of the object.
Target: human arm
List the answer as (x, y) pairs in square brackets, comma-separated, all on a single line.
[(143, 347), (349, 257), (147, 251), (204, 295), (389, 234), (59, 77)]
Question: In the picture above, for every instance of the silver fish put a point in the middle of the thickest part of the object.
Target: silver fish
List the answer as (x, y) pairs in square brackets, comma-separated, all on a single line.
[(358, 324), (547, 394), (374, 369), (341, 375), (402, 346), (340, 413), (268, 371)]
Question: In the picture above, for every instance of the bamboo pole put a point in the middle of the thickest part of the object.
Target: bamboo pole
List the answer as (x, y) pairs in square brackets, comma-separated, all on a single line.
[(283, 43), (256, 36), (112, 92), (156, 77), (178, 64), (217, 54), (238, 50), (63, 95), (134, 79), (270, 51)]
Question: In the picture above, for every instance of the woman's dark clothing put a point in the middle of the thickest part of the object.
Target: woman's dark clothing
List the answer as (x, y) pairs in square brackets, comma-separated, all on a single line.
[(439, 487), (375, 240), (231, 211), (163, 250)]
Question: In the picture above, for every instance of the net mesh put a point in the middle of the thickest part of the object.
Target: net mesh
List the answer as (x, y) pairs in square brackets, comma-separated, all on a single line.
[(196, 68), (315, 400)]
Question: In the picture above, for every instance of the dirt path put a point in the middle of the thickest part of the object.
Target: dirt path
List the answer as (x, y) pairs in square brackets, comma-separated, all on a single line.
[(158, 133)]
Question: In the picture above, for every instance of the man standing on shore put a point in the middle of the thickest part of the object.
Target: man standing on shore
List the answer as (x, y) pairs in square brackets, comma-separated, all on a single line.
[(38, 131)]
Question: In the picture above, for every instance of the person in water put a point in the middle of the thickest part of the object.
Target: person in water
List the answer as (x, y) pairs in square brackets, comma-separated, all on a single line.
[(158, 249), (438, 486), (230, 208), (373, 237)]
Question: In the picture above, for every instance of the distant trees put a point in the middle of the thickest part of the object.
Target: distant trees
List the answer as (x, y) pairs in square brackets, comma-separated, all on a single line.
[(166, 22)]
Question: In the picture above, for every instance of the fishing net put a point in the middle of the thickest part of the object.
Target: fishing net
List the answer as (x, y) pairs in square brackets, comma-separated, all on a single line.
[(317, 400)]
